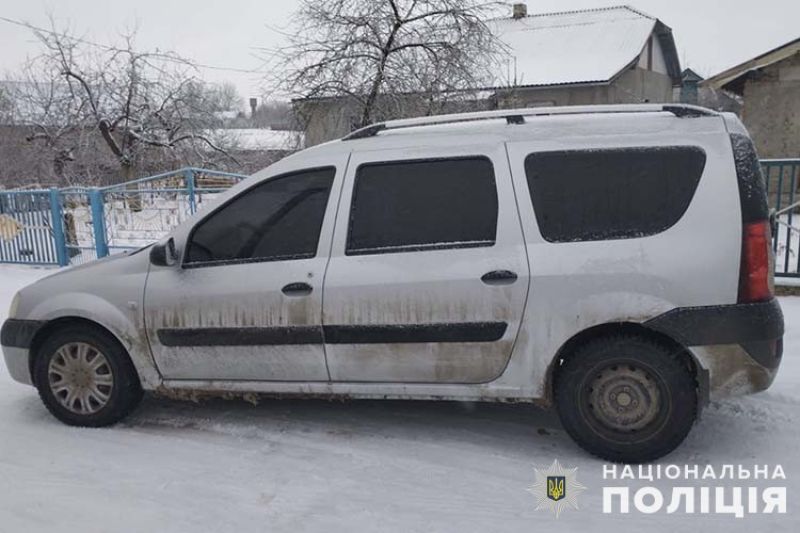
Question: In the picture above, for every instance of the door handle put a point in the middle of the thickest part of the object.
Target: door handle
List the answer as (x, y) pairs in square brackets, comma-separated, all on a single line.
[(297, 289), (499, 277)]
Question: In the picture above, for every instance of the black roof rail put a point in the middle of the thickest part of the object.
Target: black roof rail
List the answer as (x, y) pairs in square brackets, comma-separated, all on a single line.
[(368, 131), (689, 111)]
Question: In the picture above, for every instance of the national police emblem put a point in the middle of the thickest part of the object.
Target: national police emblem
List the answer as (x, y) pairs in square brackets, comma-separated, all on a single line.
[(556, 488)]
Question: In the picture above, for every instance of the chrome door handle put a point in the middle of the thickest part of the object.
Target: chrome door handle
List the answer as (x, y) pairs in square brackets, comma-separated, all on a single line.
[(499, 277), (297, 289)]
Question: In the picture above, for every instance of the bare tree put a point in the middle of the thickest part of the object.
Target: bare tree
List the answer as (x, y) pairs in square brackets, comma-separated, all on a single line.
[(6, 107), (47, 111), (382, 54), (140, 104)]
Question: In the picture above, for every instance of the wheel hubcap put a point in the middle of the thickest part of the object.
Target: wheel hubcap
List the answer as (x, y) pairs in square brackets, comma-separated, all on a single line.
[(624, 397), (80, 378)]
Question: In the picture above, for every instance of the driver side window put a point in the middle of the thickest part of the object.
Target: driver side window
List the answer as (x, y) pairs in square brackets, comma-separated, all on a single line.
[(277, 220)]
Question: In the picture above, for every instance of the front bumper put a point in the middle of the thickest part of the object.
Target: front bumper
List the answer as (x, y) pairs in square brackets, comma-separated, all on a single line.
[(739, 346), (17, 364), (16, 337)]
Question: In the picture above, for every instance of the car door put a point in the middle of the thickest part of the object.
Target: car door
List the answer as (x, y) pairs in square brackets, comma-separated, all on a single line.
[(428, 272), (246, 302)]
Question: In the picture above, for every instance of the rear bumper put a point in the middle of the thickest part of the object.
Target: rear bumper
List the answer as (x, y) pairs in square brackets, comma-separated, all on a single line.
[(739, 346), (756, 327)]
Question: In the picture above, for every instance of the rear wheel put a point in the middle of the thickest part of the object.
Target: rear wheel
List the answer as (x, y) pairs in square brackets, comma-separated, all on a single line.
[(85, 378), (626, 398)]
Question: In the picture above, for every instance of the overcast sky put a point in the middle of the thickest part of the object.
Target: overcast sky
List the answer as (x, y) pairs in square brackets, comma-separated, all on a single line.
[(711, 35)]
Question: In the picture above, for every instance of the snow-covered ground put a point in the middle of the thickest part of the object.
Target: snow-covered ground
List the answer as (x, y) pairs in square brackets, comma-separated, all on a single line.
[(352, 466)]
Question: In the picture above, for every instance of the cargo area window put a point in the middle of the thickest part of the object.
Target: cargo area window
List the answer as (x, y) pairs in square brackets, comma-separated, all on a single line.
[(422, 205), (277, 220), (593, 195)]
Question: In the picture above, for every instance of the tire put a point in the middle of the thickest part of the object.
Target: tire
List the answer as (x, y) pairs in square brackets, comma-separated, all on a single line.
[(626, 398), (106, 386)]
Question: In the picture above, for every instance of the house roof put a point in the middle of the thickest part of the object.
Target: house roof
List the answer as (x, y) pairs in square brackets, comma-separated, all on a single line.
[(254, 139), (590, 46), (733, 79), (690, 75)]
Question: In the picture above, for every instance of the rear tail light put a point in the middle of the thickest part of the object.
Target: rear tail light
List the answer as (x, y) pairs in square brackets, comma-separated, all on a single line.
[(755, 274)]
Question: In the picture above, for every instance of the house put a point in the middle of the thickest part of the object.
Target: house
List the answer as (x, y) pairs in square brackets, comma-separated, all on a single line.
[(597, 56), (769, 85), (258, 139), (693, 92), (255, 148), (689, 90)]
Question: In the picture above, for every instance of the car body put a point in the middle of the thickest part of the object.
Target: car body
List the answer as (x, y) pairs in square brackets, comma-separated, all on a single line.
[(457, 257)]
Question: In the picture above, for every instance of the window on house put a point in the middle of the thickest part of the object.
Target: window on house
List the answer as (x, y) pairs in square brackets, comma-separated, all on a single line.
[(418, 205), (591, 195)]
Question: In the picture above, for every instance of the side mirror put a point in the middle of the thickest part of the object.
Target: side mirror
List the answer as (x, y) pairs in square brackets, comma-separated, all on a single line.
[(163, 253)]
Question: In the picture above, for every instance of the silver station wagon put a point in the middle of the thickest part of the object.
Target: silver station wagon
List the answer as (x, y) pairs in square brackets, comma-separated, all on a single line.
[(611, 261)]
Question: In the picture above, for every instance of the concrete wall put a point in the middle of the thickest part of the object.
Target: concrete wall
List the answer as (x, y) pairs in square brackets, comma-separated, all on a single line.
[(333, 118), (639, 85), (559, 96), (325, 119), (633, 86), (772, 109)]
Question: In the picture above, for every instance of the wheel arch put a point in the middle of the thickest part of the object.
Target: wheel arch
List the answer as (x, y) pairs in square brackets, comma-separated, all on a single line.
[(56, 324), (623, 328)]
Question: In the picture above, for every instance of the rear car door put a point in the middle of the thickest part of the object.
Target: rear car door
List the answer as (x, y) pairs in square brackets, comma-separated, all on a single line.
[(246, 303), (428, 272)]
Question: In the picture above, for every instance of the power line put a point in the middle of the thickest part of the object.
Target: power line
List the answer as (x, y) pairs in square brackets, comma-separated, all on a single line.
[(164, 57)]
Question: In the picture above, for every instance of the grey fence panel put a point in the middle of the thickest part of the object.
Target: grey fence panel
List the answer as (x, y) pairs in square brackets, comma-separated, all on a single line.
[(79, 234)]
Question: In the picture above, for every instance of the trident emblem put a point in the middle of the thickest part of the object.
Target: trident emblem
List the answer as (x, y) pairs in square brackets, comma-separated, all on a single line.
[(555, 487)]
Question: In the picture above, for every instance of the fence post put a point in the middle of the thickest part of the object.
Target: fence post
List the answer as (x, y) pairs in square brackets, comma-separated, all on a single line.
[(98, 222), (188, 175), (57, 223)]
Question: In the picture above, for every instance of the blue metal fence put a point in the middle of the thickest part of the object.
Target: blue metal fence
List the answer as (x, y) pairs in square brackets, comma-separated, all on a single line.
[(77, 224), (142, 211)]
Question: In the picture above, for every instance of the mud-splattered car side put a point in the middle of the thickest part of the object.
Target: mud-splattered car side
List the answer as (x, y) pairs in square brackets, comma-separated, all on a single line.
[(613, 261)]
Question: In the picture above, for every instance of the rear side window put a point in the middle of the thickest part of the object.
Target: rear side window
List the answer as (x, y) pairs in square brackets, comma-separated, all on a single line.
[(277, 220), (592, 195), (420, 205)]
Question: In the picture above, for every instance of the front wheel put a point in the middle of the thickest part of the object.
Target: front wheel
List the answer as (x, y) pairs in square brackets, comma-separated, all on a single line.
[(626, 398), (85, 378)]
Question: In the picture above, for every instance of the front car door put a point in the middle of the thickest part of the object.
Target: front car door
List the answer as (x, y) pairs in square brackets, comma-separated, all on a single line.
[(428, 272), (246, 301)]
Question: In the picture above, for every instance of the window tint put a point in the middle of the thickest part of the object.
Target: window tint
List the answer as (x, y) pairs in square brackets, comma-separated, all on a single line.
[(612, 194), (279, 219), (416, 205)]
